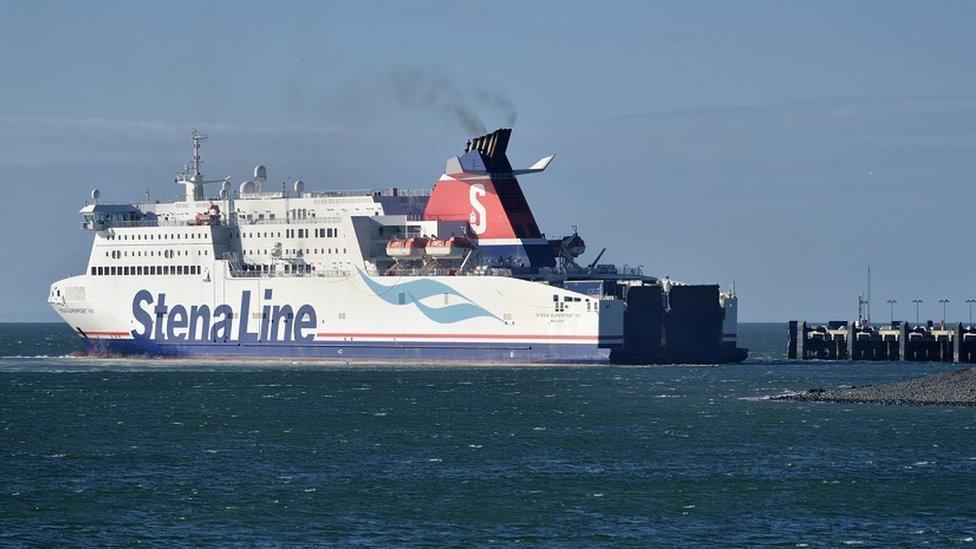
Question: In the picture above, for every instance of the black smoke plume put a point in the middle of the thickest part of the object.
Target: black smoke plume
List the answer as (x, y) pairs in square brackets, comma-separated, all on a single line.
[(451, 96)]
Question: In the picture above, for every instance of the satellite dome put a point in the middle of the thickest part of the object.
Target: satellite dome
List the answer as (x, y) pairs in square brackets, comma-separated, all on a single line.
[(96, 194), (248, 187), (260, 172), (299, 186)]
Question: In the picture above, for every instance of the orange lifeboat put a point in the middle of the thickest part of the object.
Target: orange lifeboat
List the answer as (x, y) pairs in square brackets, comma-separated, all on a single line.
[(210, 217), (455, 247), (409, 248)]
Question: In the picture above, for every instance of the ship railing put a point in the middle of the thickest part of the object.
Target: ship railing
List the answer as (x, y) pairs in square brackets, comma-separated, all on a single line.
[(237, 272), (287, 221), (260, 195), (159, 222), (340, 193), (625, 270), (420, 271), (326, 273), (183, 222)]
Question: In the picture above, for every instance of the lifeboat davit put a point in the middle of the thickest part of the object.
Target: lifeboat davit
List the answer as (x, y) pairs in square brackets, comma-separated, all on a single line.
[(409, 248), (454, 247)]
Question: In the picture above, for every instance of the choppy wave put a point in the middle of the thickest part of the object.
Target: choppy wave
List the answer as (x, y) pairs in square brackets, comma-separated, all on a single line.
[(293, 453)]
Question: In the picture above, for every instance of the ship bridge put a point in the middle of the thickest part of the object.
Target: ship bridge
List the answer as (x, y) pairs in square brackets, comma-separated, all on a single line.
[(100, 216)]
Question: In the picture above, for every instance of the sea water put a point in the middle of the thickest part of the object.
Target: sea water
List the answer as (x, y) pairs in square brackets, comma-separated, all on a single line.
[(110, 452)]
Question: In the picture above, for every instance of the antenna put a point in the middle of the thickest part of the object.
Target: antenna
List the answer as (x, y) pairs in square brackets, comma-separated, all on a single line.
[(197, 137), (864, 304), (869, 296)]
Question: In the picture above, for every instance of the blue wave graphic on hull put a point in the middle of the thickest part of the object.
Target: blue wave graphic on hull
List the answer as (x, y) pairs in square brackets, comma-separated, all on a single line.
[(416, 290)]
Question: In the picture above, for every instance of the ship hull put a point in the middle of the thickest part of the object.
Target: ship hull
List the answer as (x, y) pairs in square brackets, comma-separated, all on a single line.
[(394, 352), (461, 319)]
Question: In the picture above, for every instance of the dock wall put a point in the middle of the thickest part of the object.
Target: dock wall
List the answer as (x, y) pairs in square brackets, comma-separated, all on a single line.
[(846, 340)]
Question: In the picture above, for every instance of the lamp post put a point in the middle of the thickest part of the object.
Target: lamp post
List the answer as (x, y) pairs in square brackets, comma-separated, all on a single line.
[(970, 302), (944, 302), (916, 302), (891, 304)]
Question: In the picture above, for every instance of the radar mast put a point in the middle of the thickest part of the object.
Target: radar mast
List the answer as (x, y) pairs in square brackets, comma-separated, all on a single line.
[(197, 137), (192, 176)]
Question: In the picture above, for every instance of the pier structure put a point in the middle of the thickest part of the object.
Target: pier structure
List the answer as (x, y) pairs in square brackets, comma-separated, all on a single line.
[(848, 340)]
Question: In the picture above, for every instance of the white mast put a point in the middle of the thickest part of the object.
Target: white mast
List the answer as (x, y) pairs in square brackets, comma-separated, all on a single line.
[(194, 182), (197, 137)]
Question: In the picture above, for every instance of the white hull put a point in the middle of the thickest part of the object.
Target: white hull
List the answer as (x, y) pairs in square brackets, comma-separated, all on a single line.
[(356, 316)]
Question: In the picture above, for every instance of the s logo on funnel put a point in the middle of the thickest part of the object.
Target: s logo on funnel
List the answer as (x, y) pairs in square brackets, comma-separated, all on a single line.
[(478, 218)]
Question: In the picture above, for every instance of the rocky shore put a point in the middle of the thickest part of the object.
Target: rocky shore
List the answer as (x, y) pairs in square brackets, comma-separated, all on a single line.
[(956, 388)]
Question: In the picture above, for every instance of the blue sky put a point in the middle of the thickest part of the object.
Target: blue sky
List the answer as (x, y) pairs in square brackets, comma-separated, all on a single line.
[(782, 145)]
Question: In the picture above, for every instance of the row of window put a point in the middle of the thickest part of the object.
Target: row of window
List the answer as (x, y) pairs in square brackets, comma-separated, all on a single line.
[(326, 232), (146, 270), (163, 236), (289, 233), (306, 251), (117, 254), (285, 268)]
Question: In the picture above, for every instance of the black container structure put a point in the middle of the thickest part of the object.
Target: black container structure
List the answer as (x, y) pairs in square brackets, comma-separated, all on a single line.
[(846, 340), (681, 325)]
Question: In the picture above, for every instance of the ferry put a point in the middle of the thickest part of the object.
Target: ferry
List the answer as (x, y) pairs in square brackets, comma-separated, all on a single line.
[(458, 273)]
